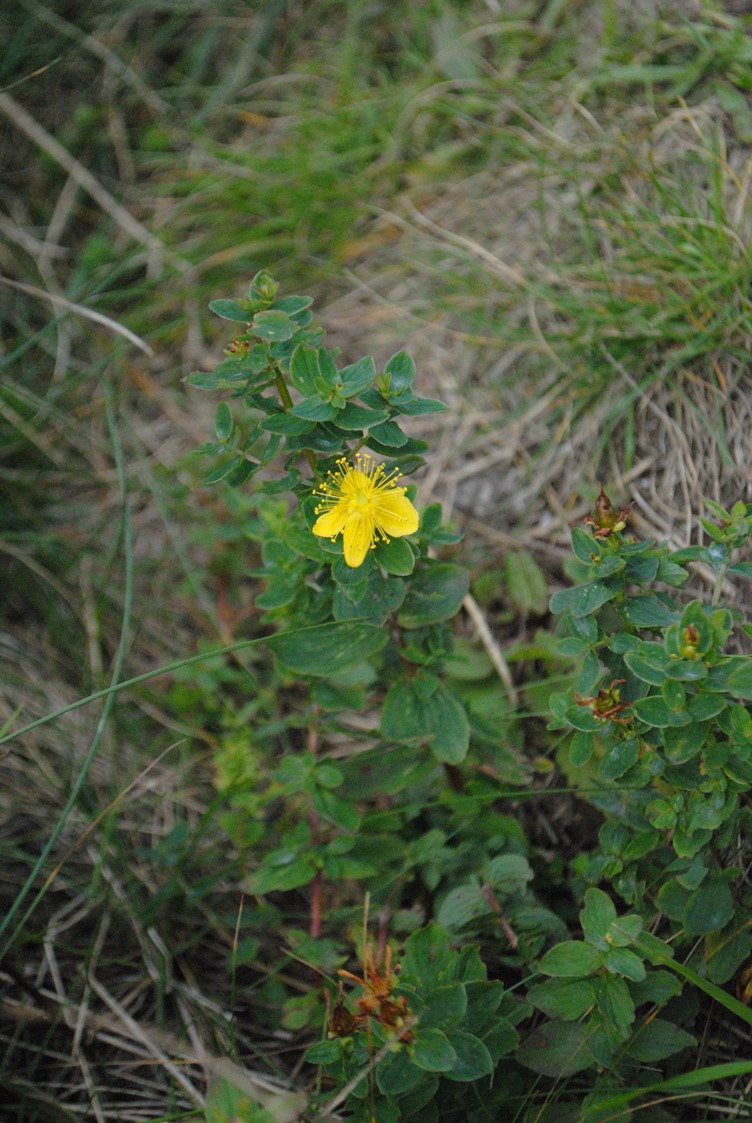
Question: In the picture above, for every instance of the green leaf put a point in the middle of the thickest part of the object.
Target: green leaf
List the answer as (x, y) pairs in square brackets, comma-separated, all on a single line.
[(654, 711), (508, 874), (687, 843), (329, 376), (624, 962), (568, 999), (680, 745), (304, 370), (597, 917), (400, 369), (395, 557), (402, 715), (274, 878), (357, 377), (615, 1004), (336, 809), (725, 952), (739, 682), (222, 471), (584, 545), (581, 747), (655, 989), (461, 905), (582, 600), (328, 649), (709, 907), (452, 728), (431, 1050), (381, 597), (411, 448), (314, 409), (294, 304), (705, 706), (658, 1039), (649, 612), (273, 326), (356, 418), (744, 569), (483, 1000), (324, 1052), (626, 929), (654, 949), (686, 670), (671, 574), (473, 1059), (642, 844), (571, 959), (286, 423), (349, 575), (556, 1049), (388, 434), (571, 646), (619, 757), (446, 1007), (349, 594), (642, 569), (397, 1074), (241, 472), (526, 582), (203, 379), (440, 719), (223, 423), (412, 406), (239, 368), (590, 673), (582, 718), (436, 592), (674, 694), (649, 663), (502, 1038), (328, 775), (230, 310), (428, 960)]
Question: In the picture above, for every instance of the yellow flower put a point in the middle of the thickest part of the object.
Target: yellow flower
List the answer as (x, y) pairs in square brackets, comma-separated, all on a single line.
[(365, 505)]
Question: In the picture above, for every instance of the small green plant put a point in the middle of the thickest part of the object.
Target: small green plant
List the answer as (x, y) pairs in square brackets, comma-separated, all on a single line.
[(367, 767), (660, 715), (660, 735), (346, 558), (437, 1025)]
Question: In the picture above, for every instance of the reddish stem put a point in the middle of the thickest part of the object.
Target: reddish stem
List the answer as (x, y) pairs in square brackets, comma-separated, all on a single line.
[(504, 924), (313, 819), (315, 924)]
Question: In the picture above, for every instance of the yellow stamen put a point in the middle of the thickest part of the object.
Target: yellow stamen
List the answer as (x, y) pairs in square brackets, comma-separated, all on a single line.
[(365, 505)]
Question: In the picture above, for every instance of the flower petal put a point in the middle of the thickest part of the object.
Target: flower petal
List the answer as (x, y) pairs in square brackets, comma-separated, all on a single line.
[(332, 522), (395, 514), (358, 537)]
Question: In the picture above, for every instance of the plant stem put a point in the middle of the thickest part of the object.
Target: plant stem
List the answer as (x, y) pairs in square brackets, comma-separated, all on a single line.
[(284, 397)]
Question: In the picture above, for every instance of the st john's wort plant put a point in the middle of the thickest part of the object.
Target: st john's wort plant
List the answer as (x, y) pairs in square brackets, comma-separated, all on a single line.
[(359, 606), (659, 738), (661, 713)]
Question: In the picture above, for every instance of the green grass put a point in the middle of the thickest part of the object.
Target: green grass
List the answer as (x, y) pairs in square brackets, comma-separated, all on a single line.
[(550, 199)]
